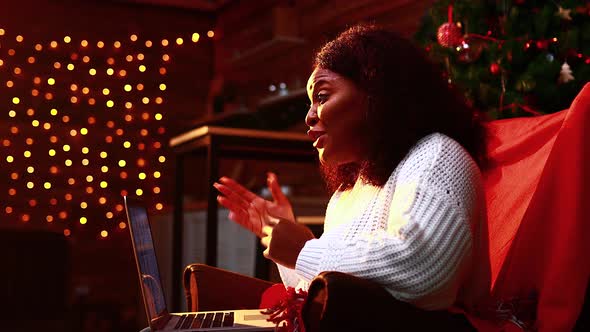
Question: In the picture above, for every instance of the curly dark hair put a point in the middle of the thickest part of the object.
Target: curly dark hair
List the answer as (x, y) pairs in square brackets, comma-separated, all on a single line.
[(408, 98)]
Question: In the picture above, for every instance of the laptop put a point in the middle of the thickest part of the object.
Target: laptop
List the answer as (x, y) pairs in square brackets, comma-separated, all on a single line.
[(160, 319)]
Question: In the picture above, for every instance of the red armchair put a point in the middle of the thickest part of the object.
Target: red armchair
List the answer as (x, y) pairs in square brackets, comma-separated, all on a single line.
[(538, 196)]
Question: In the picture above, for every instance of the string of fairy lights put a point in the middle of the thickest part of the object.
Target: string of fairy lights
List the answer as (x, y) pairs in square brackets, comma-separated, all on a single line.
[(84, 125)]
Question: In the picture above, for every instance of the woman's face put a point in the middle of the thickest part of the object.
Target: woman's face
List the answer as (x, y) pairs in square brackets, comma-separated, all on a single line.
[(336, 118)]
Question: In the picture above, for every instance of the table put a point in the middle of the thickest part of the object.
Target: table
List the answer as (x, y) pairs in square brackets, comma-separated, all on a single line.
[(217, 143)]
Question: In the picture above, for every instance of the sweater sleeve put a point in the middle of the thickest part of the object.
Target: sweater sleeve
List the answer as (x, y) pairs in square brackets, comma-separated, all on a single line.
[(424, 247), (289, 276)]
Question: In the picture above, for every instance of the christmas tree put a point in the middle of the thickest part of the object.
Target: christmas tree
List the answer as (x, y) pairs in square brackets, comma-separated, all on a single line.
[(511, 58)]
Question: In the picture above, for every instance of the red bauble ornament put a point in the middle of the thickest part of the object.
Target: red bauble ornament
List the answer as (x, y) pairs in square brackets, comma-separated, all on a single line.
[(495, 68), (471, 50), (449, 35), (542, 44)]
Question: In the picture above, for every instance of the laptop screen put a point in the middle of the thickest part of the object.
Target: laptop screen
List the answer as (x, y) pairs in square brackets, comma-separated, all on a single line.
[(145, 256)]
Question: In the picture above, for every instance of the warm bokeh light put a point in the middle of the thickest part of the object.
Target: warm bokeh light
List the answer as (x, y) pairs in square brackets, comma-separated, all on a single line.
[(195, 37), (179, 41), (210, 33), (50, 170)]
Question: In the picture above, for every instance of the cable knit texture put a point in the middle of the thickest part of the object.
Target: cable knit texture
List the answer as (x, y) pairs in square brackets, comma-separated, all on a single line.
[(414, 235)]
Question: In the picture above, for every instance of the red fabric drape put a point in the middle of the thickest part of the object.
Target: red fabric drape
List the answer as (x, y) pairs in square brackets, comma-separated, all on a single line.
[(538, 200)]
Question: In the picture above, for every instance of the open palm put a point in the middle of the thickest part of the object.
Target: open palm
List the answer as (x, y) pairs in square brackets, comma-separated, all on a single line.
[(250, 210)]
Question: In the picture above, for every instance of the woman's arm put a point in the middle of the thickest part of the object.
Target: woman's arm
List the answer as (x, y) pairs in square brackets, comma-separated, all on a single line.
[(422, 254)]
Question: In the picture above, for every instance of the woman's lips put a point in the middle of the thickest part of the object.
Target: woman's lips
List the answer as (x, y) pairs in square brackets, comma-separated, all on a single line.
[(317, 136)]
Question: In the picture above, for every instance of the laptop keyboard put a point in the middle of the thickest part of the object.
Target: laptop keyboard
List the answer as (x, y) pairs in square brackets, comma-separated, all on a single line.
[(211, 319)]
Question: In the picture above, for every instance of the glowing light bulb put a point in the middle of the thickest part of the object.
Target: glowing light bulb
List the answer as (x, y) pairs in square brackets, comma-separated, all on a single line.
[(110, 103), (83, 220), (133, 37), (210, 34), (141, 176), (122, 163), (157, 174), (127, 87), (66, 147), (195, 37), (104, 169), (122, 225), (84, 131), (67, 39), (165, 42), (142, 68), (104, 233), (103, 184), (138, 192), (51, 152), (103, 154), (179, 41), (158, 116)]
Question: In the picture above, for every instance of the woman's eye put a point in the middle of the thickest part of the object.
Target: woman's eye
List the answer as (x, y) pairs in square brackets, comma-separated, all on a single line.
[(322, 97)]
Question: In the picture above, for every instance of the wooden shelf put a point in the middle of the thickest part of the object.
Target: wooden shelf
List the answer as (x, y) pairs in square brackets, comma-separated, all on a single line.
[(272, 48), (275, 100)]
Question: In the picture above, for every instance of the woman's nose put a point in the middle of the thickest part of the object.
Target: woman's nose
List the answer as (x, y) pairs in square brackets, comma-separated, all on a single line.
[(311, 119)]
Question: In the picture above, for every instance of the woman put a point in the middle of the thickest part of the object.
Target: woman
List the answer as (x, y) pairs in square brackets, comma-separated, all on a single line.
[(401, 151)]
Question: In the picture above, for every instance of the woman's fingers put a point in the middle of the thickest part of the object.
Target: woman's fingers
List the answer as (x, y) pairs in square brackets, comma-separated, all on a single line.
[(275, 188), (238, 188), (237, 213), (231, 195), (265, 241)]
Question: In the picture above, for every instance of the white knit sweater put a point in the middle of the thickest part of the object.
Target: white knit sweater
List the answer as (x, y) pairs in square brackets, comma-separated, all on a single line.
[(414, 235)]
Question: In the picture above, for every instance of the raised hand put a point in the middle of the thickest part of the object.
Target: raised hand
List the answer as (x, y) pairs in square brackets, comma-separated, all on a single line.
[(250, 210)]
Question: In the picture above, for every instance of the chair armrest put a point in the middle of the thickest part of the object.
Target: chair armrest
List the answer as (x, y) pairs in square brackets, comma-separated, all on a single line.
[(210, 288), (341, 302), (334, 295)]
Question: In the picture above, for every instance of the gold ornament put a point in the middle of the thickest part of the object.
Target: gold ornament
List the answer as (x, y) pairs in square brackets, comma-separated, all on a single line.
[(564, 13)]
